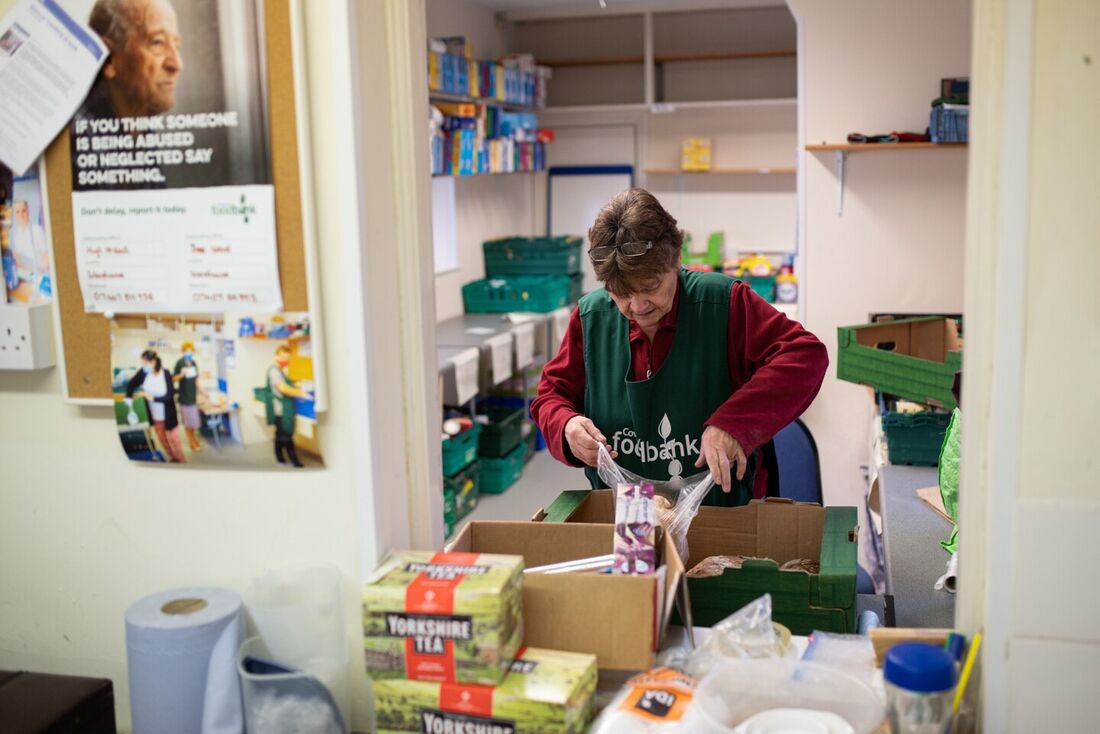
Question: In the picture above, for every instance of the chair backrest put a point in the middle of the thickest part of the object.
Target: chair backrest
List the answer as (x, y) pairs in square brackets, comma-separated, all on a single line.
[(799, 468)]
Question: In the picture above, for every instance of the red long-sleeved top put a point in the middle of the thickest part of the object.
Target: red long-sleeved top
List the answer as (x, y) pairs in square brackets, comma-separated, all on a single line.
[(775, 366)]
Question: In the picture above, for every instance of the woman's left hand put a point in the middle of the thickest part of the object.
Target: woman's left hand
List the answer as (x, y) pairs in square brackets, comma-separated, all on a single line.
[(720, 452)]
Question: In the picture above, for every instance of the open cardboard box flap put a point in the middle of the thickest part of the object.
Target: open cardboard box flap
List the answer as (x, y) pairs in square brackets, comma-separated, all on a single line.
[(774, 528), (620, 619)]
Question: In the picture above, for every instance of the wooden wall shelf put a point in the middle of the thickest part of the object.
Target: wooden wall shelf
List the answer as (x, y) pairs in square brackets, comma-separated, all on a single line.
[(763, 171), (672, 58), (869, 147)]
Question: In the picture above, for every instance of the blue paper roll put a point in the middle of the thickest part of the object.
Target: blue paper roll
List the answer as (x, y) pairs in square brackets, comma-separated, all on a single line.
[(181, 650)]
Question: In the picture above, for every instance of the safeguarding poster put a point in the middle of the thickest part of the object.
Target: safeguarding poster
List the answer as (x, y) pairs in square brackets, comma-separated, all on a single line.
[(173, 203), (223, 390)]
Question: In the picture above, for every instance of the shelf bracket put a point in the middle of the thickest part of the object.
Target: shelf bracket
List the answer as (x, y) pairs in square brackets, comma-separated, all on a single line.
[(841, 159)]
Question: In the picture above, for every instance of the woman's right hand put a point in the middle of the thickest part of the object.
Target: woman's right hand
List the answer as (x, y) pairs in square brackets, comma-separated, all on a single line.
[(584, 440)]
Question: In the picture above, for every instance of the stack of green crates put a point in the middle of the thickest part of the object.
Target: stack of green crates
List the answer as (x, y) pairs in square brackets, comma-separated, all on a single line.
[(539, 293), (532, 256), (502, 450), (460, 476), (527, 274)]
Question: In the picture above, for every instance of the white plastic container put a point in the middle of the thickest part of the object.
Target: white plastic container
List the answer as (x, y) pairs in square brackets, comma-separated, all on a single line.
[(283, 702)]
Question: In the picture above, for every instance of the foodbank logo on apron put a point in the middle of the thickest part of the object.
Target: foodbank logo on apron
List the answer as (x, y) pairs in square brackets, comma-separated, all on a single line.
[(672, 450)]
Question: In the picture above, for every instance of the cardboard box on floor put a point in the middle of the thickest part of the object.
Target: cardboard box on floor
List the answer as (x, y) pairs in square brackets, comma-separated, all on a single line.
[(775, 528), (620, 619)]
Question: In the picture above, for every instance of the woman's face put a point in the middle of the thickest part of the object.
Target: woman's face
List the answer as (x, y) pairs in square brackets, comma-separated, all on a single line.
[(651, 302), (147, 366)]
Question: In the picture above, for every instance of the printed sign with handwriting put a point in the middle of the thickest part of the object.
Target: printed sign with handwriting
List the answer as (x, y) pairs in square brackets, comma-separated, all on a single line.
[(173, 203)]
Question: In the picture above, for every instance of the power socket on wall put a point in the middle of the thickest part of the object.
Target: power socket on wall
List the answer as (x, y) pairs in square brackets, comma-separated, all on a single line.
[(26, 337)]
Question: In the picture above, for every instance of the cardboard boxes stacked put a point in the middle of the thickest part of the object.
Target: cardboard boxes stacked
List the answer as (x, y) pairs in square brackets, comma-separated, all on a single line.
[(442, 637)]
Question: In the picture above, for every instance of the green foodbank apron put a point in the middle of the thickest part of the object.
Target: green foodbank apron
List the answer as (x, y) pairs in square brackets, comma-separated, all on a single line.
[(656, 424)]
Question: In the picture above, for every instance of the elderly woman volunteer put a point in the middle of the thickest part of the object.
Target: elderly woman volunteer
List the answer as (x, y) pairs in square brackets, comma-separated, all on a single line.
[(672, 369)]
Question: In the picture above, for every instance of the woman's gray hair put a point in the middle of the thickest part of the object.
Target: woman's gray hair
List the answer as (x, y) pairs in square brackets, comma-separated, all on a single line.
[(112, 20)]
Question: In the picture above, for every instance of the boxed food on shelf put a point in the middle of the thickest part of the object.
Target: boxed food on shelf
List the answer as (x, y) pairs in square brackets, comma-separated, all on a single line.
[(544, 692), (446, 617), (695, 154), (914, 359), (583, 612), (803, 554)]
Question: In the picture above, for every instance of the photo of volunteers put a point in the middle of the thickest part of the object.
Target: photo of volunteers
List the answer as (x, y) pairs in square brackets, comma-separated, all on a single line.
[(24, 249), (180, 101), (237, 390)]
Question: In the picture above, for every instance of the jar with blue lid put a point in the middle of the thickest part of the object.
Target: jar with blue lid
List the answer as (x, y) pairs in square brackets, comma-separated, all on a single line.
[(920, 688)]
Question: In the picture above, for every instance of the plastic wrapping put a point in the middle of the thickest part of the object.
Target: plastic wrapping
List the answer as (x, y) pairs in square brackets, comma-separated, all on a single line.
[(747, 633), (281, 700), (677, 501), (299, 615), (738, 690), (853, 654)]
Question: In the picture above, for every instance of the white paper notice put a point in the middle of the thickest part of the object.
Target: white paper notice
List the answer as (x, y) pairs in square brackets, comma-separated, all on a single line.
[(199, 250), (48, 62)]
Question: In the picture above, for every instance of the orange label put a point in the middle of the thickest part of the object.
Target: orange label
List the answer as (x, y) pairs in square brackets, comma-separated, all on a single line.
[(661, 694), (456, 698), (429, 627)]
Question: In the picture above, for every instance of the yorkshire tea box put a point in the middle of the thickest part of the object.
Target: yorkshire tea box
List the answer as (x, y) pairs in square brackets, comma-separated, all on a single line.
[(443, 617), (545, 692)]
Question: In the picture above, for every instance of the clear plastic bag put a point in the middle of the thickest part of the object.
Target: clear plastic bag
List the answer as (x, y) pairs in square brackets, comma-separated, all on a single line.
[(682, 497), (747, 633)]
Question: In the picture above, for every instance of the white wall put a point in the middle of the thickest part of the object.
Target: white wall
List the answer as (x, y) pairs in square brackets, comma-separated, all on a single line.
[(1030, 503), (84, 532), (899, 245), (486, 207)]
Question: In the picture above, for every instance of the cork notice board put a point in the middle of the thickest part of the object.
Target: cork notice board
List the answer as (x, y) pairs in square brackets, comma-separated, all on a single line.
[(86, 336)]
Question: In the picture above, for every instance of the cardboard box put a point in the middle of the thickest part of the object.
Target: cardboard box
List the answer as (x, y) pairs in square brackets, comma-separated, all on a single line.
[(545, 692), (443, 617), (915, 359), (619, 619), (776, 529)]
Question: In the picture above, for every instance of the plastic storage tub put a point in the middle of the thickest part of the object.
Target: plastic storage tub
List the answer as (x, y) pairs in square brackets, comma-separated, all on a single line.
[(464, 488), (460, 451), (915, 438), (540, 293), (532, 256), (497, 475), (504, 431)]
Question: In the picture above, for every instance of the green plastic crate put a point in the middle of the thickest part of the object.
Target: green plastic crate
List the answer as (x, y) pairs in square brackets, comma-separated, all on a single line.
[(576, 287), (449, 519), (461, 450), (465, 487), (502, 434), (803, 602), (497, 475), (532, 256), (763, 286), (915, 438), (539, 293), (914, 359)]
